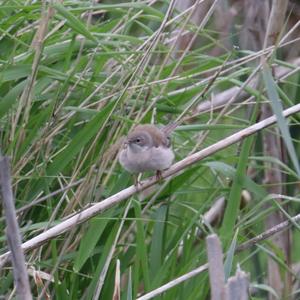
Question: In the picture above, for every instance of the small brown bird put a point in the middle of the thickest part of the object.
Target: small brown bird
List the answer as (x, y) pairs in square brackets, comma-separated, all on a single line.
[(147, 148)]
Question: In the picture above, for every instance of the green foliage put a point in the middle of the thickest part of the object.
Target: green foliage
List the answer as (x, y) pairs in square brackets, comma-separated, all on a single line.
[(103, 68)]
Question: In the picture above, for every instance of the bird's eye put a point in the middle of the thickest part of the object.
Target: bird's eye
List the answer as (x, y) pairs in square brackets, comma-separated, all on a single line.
[(138, 140)]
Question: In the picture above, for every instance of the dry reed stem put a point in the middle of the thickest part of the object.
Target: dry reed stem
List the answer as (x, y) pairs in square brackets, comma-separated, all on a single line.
[(273, 147), (13, 233), (237, 287), (220, 99), (173, 283), (215, 267)]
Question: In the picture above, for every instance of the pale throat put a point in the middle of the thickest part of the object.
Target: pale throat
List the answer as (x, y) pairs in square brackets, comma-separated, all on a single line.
[(134, 148)]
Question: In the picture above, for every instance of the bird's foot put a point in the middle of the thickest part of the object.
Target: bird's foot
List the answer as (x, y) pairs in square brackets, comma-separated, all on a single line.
[(137, 180), (159, 177)]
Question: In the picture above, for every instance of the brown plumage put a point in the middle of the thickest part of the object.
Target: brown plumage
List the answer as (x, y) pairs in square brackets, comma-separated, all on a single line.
[(158, 136)]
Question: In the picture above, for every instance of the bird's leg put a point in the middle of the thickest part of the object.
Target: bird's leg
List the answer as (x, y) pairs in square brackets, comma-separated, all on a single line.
[(137, 179), (159, 176)]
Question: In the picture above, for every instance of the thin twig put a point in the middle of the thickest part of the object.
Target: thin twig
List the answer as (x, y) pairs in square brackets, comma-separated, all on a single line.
[(42, 199), (268, 233), (26, 97), (174, 282)]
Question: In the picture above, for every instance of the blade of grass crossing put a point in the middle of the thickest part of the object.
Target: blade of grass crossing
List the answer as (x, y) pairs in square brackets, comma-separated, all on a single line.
[(10, 98), (90, 239), (103, 257), (277, 109), (230, 172), (156, 249), (129, 286), (232, 208), (229, 257), (141, 245), (74, 22)]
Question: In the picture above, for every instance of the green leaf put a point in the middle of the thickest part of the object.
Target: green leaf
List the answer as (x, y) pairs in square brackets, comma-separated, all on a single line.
[(129, 286), (233, 205), (230, 172), (277, 109), (266, 288), (10, 98), (90, 239), (102, 259), (229, 257), (141, 245), (156, 249), (74, 22), (15, 72)]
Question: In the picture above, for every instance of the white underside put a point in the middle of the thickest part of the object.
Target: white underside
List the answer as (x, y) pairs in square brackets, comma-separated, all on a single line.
[(152, 159)]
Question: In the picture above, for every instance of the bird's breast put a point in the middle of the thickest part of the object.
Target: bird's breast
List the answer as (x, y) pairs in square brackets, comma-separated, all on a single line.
[(134, 162), (161, 158), (151, 159)]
